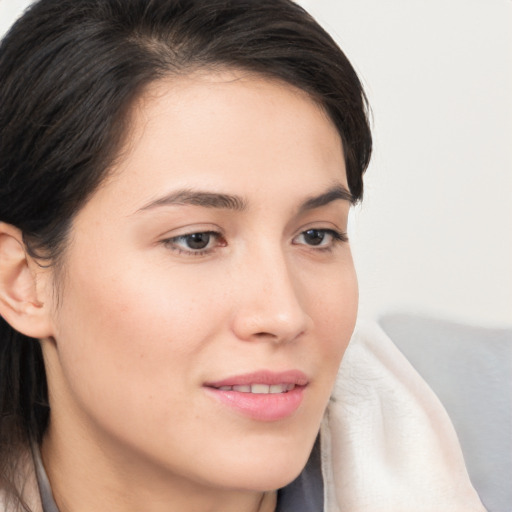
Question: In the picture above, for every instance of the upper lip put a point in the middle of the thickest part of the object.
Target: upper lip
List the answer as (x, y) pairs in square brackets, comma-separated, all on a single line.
[(263, 377)]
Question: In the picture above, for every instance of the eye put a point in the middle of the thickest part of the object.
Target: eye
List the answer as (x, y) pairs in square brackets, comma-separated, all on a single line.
[(195, 243), (324, 238)]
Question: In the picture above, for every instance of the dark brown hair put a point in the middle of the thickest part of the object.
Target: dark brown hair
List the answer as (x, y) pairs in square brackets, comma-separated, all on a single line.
[(70, 71)]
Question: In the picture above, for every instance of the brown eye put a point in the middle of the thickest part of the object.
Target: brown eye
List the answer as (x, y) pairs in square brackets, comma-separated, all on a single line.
[(197, 241), (314, 236), (195, 244), (321, 238)]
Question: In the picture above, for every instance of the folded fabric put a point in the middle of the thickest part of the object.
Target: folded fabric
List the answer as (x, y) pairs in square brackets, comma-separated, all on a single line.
[(387, 443)]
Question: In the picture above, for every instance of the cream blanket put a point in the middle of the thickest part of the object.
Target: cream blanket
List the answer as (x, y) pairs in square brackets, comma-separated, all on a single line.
[(387, 442)]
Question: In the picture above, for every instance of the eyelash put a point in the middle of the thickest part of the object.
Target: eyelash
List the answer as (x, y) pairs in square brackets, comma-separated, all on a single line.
[(338, 237), (171, 243)]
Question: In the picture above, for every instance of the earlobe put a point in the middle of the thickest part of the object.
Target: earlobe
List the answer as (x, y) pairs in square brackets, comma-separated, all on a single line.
[(20, 305)]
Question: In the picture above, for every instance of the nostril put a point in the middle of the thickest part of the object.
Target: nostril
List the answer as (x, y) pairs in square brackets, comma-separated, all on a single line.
[(278, 338), (265, 335)]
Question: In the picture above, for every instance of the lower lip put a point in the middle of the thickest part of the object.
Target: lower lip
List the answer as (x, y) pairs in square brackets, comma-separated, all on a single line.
[(261, 406)]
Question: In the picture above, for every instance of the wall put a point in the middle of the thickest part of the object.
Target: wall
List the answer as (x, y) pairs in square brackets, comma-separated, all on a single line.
[(434, 233)]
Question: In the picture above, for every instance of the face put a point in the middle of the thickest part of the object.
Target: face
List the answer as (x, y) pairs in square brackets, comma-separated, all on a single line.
[(208, 291)]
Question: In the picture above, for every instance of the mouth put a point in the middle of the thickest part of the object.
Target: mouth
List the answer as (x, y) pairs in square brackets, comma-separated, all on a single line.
[(262, 396), (259, 389)]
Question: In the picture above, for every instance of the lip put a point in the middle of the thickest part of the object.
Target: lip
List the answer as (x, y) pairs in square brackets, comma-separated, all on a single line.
[(261, 407), (263, 377)]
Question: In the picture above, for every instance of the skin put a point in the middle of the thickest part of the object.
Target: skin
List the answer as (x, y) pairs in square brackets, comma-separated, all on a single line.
[(143, 320)]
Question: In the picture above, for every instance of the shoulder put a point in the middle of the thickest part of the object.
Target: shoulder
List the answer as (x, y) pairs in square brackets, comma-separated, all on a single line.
[(387, 442)]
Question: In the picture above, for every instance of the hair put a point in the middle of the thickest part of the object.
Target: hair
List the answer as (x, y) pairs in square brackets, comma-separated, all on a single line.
[(70, 70)]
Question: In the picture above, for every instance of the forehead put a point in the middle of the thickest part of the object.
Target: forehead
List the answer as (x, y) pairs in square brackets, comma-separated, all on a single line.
[(230, 130)]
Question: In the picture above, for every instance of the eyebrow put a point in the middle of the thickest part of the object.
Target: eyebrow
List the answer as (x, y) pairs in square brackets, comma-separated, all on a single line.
[(335, 193), (237, 203), (199, 198)]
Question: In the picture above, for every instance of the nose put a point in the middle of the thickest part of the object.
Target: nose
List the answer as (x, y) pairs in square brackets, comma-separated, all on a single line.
[(268, 305)]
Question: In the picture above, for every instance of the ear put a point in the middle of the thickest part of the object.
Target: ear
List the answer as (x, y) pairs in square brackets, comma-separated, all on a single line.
[(20, 304)]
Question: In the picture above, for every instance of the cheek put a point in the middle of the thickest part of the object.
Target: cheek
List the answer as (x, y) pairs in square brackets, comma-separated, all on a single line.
[(334, 315), (127, 351), (125, 332), (134, 328), (333, 300)]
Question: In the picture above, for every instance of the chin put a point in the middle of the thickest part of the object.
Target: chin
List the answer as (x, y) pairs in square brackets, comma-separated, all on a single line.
[(270, 470), (270, 479)]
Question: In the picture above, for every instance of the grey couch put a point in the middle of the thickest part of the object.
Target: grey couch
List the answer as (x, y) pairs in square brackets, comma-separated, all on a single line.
[(470, 370)]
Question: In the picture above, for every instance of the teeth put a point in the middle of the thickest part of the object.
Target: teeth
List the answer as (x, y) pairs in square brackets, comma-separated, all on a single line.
[(243, 389), (260, 389)]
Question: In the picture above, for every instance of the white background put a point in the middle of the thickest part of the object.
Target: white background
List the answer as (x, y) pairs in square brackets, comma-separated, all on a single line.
[(434, 233)]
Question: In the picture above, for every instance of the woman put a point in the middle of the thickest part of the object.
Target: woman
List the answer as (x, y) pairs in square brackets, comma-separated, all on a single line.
[(177, 289)]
